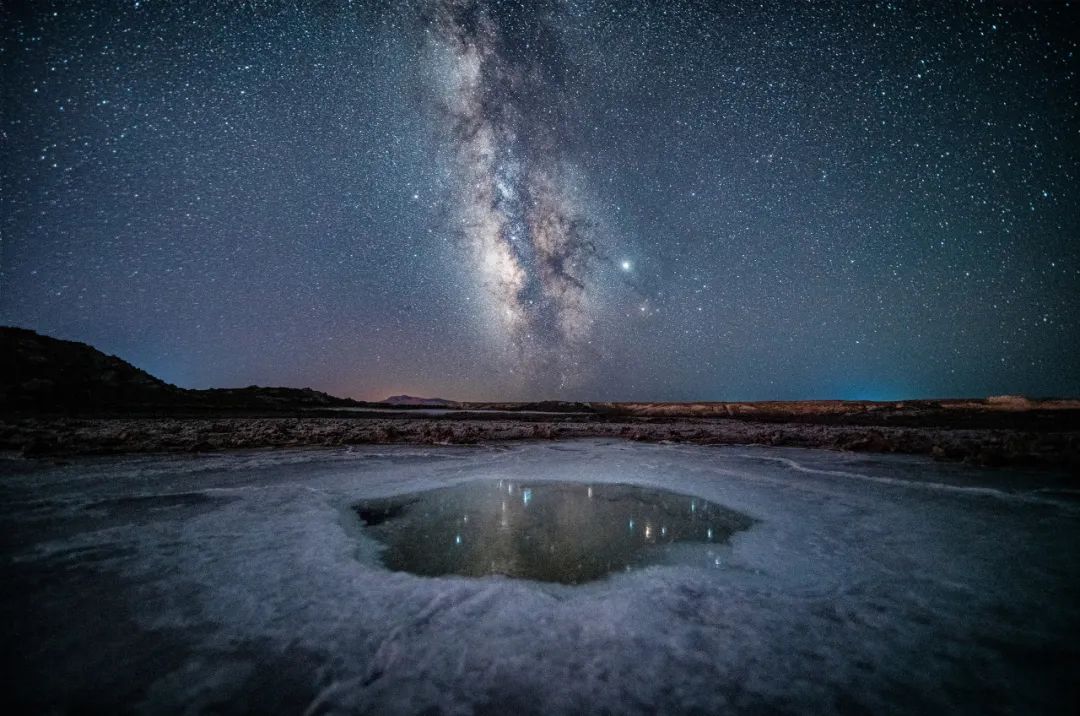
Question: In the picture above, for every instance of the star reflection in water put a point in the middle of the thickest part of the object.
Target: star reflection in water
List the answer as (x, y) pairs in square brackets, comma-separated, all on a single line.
[(563, 532)]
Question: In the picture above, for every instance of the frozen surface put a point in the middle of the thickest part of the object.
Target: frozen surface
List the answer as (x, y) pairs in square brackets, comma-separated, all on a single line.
[(245, 582)]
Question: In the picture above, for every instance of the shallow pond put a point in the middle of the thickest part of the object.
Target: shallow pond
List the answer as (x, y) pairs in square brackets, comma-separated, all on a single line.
[(548, 531)]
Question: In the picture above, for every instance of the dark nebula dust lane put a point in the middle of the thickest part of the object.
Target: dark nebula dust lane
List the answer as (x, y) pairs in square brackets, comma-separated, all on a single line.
[(526, 231), (576, 199)]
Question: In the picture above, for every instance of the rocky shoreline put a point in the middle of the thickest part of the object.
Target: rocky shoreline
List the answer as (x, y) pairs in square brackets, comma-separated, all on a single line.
[(42, 436)]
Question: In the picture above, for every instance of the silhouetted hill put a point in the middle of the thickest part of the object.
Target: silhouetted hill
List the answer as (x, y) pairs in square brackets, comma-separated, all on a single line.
[(40, 373)]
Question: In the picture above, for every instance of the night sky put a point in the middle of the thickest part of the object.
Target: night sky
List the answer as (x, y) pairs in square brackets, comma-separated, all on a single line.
[(582, 200)]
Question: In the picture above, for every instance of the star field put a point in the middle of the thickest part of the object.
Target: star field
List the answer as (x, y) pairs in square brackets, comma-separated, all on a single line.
[(583, 200)]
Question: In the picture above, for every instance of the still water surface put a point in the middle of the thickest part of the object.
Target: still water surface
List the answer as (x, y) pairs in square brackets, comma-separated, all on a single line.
[(563, 532)]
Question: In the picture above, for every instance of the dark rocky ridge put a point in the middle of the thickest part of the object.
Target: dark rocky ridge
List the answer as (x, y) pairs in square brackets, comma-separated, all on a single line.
[(412, 400), (50, 436)]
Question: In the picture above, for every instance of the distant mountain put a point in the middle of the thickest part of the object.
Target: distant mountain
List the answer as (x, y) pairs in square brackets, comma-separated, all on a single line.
[(40, 373), (413, 400)]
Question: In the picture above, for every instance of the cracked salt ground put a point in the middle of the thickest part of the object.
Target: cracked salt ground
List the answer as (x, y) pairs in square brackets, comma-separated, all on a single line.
[(246, 582)]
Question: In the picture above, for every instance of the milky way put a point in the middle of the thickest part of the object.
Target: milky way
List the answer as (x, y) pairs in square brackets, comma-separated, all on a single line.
[(533, 199), (522, 226)]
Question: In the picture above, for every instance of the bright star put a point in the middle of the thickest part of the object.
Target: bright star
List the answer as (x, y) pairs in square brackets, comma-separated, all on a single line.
[(626, 265)]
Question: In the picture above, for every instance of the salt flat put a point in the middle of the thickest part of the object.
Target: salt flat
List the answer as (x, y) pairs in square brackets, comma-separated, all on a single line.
[(243, 581)]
